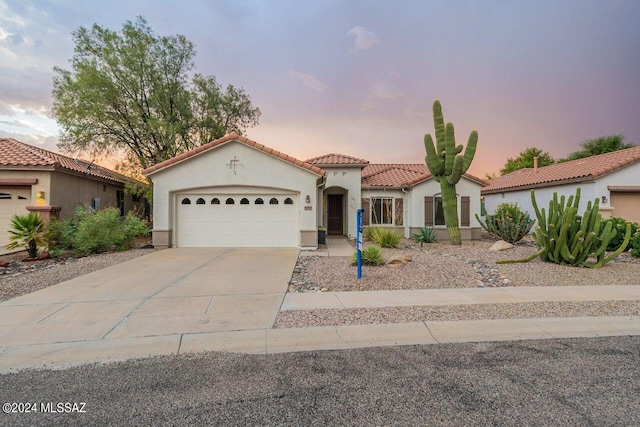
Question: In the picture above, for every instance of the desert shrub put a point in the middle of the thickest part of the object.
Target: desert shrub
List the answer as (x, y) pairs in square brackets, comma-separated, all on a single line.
[(509, 223), (425, 235), (620, 226), (371, 255), (102, 231), (27, 231), (385, 237), (635, 245)]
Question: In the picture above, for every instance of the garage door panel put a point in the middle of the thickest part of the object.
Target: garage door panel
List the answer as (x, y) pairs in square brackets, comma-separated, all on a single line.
[(239, 224)]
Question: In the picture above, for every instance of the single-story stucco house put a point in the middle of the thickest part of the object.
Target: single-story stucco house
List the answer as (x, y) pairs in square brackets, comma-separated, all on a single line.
[(236, 192), (613, 178), (36, 180)]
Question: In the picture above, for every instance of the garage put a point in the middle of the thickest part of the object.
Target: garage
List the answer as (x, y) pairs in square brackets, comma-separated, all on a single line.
[(237, 220), (13, 200), (626, 205)]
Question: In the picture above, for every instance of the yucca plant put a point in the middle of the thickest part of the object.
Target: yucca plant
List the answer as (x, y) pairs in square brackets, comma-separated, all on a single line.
[(425, 235), (371, 255), (27, 231), (385, 237)]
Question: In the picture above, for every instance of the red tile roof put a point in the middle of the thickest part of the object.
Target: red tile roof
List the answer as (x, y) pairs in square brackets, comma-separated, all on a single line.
[(15, 153), (337, 160), (400, 175), (233, 136), (563, 173)]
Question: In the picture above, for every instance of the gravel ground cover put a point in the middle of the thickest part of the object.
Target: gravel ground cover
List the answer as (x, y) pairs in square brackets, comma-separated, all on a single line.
[(441, 265), (21, 278), (566, 382)]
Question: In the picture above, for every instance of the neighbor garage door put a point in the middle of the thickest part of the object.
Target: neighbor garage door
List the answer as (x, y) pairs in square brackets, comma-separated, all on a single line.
[(12, 201), (246, 220), (626, 205)]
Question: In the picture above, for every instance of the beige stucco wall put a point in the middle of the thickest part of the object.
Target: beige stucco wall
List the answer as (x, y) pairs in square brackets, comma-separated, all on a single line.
[(68, 191), (255, 168)]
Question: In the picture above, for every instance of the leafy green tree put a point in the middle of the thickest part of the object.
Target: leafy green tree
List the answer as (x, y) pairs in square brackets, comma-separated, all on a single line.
[(600, 145), (525, 160), (131, 92)]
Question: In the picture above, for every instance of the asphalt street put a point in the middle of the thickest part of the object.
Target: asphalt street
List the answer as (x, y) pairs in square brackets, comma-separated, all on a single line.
[(547, 382)]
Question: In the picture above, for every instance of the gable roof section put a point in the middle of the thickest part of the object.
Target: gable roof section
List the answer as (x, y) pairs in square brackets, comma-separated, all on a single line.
[(233, 136), (399, 175), (14, 153), (579, 170), (337, 160)]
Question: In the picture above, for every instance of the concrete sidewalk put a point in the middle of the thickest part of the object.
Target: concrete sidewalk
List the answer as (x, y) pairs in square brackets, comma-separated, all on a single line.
[(459, 296)]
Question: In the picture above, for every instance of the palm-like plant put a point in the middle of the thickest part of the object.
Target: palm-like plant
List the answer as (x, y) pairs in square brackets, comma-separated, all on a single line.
[(27, 231)]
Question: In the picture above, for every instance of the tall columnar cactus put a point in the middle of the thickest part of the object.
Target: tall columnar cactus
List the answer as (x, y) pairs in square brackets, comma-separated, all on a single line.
[(564, 237), (447, 166)]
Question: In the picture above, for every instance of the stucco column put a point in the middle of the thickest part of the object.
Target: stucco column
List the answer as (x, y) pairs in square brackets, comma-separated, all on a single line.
[(46, 212)]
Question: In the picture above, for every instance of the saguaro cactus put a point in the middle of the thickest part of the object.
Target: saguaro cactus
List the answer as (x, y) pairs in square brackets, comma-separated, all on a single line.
[(447, 166)]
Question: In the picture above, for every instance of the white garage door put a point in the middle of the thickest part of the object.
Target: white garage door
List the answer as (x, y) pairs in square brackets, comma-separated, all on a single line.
[(258, 220), (12, 201)]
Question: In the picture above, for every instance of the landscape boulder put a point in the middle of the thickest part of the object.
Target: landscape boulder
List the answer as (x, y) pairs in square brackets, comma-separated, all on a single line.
[(500, 245), (398, 261)]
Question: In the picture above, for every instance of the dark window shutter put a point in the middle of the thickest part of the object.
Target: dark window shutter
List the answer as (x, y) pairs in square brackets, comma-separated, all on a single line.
[(465, 211), (428, 211), (367, 211), (399, 211)]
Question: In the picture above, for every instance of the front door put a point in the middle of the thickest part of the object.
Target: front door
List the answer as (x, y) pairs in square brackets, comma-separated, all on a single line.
[(334, 214)]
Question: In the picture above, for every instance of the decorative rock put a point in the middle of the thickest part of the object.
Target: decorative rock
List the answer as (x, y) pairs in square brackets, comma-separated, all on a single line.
[(500, 245), (398, 261)]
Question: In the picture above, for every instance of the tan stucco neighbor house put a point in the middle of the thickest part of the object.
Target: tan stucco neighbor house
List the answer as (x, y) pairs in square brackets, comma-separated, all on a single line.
[(236, 192), (613, 178), (36, 180)]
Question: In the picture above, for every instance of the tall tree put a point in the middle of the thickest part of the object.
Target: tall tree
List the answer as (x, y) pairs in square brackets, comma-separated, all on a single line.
[(600, 145), (132, 90), (525, 160)]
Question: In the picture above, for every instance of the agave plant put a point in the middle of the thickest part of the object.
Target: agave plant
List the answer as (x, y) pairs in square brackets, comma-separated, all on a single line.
[(27, 231), (425, 235)]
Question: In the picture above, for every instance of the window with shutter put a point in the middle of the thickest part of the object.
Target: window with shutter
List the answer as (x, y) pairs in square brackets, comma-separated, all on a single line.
[(365, 215), (399, 215), (465, 211), (428, 211)]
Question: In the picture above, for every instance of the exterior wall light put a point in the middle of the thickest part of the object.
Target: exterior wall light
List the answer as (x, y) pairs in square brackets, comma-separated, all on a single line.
[(604, 199), (40, 196), (307, 199)]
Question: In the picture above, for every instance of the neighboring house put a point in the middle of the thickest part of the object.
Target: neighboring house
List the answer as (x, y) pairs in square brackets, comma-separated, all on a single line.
[(236, 192), (613, 178), (36, 180)]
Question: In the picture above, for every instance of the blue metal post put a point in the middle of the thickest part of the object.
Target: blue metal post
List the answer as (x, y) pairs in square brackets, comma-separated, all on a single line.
[(359, 241)]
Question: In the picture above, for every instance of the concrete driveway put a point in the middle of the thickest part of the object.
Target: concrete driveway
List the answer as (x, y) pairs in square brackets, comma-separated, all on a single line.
[(164, 294)]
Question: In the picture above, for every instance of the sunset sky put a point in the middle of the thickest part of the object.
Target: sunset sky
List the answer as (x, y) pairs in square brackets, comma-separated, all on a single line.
[(359, 77)]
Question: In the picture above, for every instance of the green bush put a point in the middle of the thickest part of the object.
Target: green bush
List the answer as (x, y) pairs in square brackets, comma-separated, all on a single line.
[(509, 223), (102, 231), (620, 226), (425, 235), (27, 231), (635, 245), (371, 255), (385, 237)]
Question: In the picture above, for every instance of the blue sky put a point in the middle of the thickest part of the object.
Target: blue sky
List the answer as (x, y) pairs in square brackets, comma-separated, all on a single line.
[(359, 77)]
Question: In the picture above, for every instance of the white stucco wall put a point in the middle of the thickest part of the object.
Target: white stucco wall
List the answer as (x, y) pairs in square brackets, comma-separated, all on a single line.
[(255, 168), (465, 187), (348, 178)]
